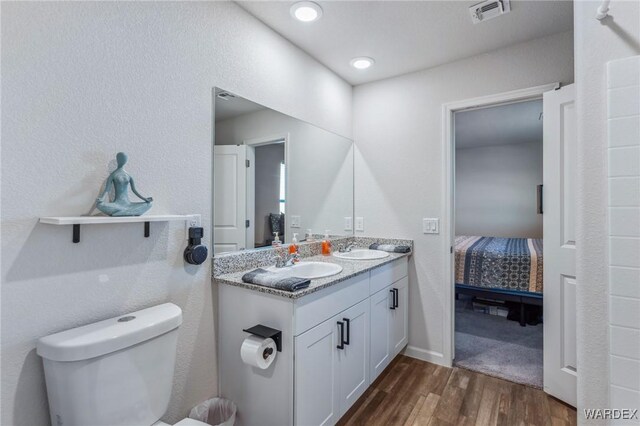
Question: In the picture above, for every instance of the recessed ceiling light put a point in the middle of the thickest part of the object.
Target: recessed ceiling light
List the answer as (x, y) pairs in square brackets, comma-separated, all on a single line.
[(306, 11), (362, 63)]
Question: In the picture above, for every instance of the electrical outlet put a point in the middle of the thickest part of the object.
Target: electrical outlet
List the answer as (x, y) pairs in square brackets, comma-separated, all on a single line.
[(295, 221), (194, 221), (360, 224), (348, 223), (430, 225)]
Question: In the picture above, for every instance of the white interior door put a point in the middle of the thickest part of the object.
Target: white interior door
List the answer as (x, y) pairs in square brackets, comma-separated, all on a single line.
[(559, 206), (229, 206), (251, 197)]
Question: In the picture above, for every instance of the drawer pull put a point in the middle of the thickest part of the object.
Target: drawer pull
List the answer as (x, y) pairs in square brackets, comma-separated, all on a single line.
[(341, 325), (393, 299), (348, 322)]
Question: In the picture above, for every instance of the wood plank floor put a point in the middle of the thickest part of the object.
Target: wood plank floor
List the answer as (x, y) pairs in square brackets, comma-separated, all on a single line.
[(413, 392)]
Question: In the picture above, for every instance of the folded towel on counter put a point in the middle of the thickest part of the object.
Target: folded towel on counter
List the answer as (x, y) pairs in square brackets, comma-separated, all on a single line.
[(392, 248), (274, 280)]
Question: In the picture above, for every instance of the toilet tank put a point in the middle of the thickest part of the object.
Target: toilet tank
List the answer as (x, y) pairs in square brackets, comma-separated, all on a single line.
[(113, 372)]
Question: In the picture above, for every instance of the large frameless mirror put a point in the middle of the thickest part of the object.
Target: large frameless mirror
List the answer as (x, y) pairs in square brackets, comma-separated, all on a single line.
[(274, 176)]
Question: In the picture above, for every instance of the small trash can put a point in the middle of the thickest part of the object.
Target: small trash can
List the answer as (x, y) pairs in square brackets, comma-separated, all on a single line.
[(216, 412)]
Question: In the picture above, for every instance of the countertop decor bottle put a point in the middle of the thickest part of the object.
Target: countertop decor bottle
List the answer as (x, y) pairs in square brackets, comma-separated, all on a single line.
[(309, 236), (293, 247), (276, 241), (326, 244)]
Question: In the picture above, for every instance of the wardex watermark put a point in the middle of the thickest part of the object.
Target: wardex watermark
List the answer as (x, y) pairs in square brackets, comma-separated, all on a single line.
[(611, 414)]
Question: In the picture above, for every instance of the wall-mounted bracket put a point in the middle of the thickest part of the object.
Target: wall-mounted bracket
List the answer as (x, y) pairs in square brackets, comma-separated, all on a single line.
[(76, 232), (267, 333), (76, 221)]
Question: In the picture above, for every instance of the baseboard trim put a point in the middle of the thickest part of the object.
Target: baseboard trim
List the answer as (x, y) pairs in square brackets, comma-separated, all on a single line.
[(426, 355)]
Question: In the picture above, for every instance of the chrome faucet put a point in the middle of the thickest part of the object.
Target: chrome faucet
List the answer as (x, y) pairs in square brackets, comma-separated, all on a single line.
[(284, 259), (348, 248)]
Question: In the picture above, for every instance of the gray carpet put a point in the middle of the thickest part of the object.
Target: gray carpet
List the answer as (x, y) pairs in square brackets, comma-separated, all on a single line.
[(498, 347)]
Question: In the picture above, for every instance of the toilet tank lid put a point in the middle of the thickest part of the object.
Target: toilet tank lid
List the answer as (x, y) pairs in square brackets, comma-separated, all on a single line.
[(103, 337)]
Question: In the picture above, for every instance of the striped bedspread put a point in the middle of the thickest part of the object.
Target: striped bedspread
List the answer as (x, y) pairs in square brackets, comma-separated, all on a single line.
[(502, 263)]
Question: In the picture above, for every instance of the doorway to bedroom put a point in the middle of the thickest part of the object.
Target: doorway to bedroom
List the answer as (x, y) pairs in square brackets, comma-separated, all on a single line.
[(498, 163), (495, 149)]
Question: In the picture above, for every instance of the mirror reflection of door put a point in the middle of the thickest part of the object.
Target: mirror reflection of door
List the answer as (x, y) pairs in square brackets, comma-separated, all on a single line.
[(249, 194), (266, 189), (229, 188)]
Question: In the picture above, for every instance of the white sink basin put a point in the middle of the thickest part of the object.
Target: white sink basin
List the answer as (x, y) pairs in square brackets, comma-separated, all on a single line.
[(361, 254), (310, 270)]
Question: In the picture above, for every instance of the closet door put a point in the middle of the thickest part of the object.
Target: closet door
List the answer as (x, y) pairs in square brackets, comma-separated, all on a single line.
[(400, 316), (353, 360), (559, 206), (316, 374)]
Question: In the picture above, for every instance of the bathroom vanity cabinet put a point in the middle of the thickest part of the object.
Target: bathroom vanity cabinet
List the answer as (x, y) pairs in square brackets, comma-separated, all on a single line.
[(335, 343)]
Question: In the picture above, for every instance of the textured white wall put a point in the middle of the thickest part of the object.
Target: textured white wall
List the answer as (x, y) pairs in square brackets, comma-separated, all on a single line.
[(596, 43), (81, 81), (496, 190), (399, 159)]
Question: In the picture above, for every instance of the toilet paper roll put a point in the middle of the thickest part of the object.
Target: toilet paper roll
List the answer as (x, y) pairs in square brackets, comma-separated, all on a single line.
[(258, 352)]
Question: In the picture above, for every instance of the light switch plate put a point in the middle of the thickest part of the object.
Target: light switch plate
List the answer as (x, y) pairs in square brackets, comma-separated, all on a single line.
[(348, 223), (360, 224), (430, 225), (295, 221)]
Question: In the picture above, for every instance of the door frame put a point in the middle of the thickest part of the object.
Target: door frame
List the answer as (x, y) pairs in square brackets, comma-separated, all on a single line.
[(261, 141), (448, 197)]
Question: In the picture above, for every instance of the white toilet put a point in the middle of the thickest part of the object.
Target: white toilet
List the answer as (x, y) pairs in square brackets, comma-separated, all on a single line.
[(114, 372)]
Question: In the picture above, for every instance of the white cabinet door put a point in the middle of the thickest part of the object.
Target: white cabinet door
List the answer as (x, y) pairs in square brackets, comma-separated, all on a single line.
[(380, 336), (317, 401), (353, 359), (399, 316)]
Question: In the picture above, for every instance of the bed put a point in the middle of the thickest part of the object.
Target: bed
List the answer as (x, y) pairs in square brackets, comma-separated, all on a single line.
[(506, 269)]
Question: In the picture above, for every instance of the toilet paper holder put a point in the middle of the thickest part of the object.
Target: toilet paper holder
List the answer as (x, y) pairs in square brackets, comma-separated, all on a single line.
[(268, 333)]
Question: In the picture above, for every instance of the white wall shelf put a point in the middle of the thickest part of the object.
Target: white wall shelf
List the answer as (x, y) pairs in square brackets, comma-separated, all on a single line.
[(76, 221)]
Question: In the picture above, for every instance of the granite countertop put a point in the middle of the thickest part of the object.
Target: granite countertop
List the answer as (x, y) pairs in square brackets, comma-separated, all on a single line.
[(350, 268)]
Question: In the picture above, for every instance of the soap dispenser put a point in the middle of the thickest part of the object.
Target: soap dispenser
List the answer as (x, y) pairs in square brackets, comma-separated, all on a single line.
[(293, 247), (309, 236), (326, 244), (276, 241)]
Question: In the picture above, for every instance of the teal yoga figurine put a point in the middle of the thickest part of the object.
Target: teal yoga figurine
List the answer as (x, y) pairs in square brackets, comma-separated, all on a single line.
[(120, 181)]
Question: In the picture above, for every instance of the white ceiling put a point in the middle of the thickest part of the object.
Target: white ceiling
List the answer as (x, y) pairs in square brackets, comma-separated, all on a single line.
[(500, 125), (230, 108), (406, 36)]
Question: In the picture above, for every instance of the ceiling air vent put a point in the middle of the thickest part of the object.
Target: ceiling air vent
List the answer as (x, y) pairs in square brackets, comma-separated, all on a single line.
[(488, 10)]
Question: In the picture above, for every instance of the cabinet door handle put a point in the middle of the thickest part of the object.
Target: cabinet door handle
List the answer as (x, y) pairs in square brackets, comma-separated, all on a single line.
[(393, 299), (396, 298), (348, 322), (341, 325)]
